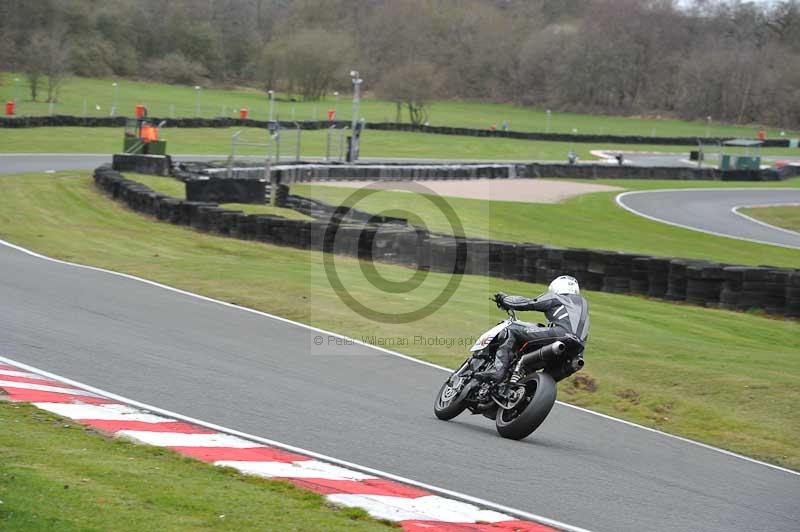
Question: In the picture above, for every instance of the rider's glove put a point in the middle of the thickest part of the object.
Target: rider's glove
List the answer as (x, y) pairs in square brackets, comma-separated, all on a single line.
[(498, 298)]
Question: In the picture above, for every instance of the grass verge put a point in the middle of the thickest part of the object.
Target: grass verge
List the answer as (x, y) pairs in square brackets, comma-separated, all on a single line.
[(83, 95), (56, 474), (725, 378), (587, 221), (785, 217), (382, 144)]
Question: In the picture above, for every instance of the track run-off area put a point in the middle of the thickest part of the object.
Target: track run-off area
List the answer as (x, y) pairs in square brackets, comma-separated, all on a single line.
[(266, 376)]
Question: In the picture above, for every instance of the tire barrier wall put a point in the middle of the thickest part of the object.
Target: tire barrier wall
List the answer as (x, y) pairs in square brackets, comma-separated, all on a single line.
[(119, 121), (773, 290), (299, 173), (142, 164), (226, 190)]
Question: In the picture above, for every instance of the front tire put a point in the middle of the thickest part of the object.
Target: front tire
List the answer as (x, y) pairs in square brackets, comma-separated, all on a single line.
[(450, 401), (518, 422)]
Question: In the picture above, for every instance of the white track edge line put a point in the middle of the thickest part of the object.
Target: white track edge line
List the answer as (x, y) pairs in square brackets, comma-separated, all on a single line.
[(735, 210), (299, 450), (384, 350), (619, 202)]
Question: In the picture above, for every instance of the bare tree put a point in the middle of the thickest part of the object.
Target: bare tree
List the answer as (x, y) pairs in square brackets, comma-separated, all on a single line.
[(412, 86), (56, 62), (32, 61), (314, 59)]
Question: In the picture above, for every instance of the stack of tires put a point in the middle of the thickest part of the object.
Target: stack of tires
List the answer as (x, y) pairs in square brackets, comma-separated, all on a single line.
[(704, 284), (793, 295)]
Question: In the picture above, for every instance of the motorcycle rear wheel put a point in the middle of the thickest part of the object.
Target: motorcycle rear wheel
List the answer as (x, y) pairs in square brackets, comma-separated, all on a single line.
[(518, 422)]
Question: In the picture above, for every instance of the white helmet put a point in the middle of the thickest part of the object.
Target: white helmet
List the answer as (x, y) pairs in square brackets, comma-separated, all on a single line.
[(565, 284)]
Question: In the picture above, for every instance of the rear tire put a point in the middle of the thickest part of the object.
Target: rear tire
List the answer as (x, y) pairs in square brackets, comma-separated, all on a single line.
[(519, 422), (450, 401)]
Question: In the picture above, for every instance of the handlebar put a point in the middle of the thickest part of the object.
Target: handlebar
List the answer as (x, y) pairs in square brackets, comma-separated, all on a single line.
[(509, 311)]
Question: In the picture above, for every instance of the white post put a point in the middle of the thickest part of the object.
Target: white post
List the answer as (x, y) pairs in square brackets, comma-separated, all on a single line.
[(356, 101), (547, 122), (114, 95), (335, 103), (297, 157), (271, 102), (197, 101)]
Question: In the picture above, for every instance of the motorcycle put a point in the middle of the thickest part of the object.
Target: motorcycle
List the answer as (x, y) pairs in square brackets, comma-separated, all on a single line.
[(521, 402)]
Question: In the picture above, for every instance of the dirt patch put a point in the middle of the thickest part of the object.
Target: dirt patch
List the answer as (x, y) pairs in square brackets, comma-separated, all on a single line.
[(585, 383), (520, 190), (628, 395)]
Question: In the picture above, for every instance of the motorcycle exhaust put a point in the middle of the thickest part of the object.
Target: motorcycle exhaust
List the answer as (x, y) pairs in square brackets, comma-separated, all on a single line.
[(543, 354)]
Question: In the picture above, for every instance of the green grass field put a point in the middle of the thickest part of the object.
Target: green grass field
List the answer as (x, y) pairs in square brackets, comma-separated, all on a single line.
[(587, 221), (726, 378), (785, 217), (380, 144), (168, 101), (56, 474)]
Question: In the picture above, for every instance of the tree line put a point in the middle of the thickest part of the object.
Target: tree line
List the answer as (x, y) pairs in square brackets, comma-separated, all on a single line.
[(731, 60)]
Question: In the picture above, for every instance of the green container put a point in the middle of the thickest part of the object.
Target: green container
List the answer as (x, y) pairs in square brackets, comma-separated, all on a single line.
[(133, 145), (746, 162), (156, 147), (725, 162)]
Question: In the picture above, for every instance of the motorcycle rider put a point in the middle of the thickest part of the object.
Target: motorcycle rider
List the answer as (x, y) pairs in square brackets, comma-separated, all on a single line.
[(567, 312)]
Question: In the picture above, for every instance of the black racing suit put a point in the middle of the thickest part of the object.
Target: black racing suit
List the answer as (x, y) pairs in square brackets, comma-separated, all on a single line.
[(565, 313)]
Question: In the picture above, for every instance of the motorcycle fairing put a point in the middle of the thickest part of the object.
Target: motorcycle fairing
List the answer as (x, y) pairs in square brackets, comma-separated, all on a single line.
[(487, 337)]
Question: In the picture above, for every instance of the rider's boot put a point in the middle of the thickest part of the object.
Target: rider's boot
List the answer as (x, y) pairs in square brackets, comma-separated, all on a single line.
[(502, 361)]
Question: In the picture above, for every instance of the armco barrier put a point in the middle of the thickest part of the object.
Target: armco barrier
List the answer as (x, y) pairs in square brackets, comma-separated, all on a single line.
[(118, 121), (774, 290)]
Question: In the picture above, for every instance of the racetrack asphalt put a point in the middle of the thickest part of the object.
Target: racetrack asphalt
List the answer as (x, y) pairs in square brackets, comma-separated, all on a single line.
[(711, 211), (265, 376), (18, 163)]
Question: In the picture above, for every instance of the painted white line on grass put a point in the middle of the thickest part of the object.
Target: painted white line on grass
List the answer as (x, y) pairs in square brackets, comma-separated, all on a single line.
[(299, 450), (691, 228), (355, 341), (735, 211)]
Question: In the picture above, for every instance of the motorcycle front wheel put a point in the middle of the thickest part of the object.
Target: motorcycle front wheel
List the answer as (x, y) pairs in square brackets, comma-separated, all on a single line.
[(450, 401), (521, 420)]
